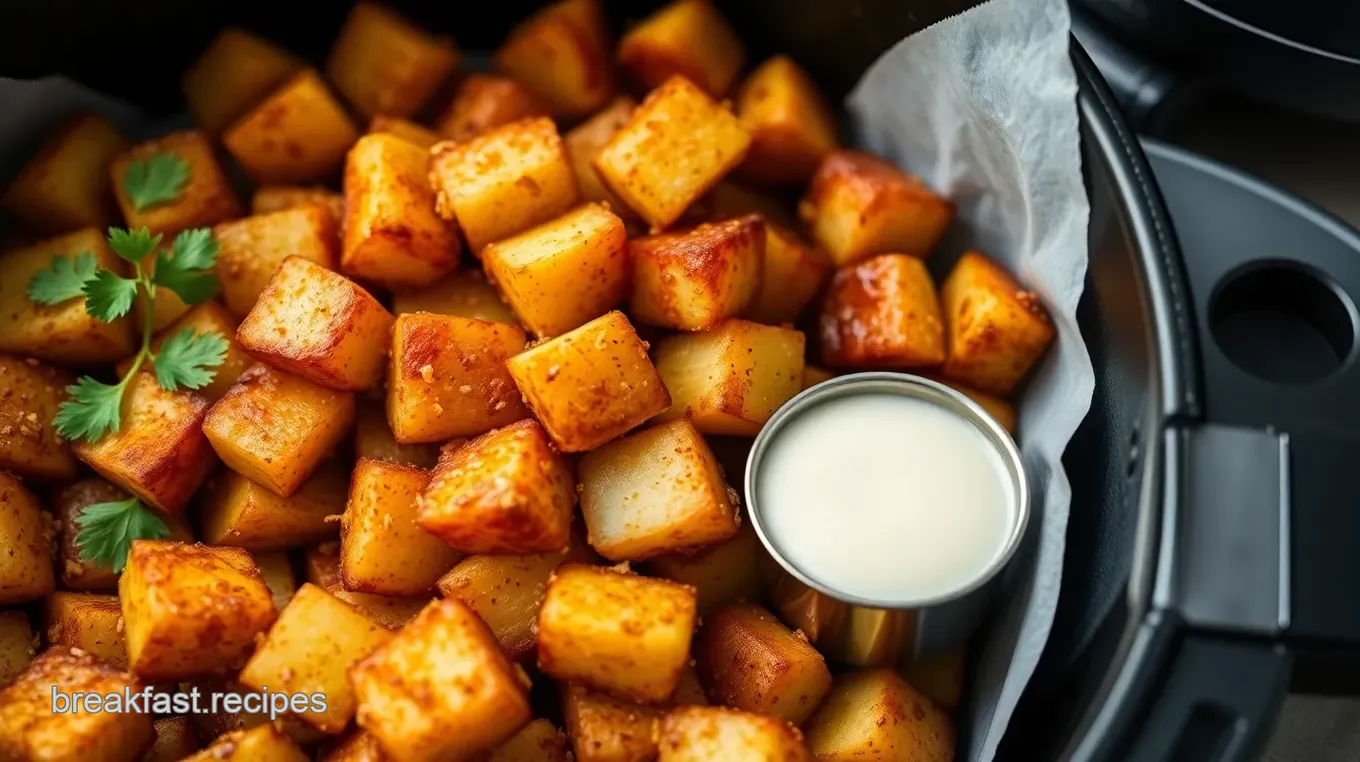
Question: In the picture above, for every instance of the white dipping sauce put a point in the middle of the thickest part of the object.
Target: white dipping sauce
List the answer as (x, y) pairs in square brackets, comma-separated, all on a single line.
[(885, 497)]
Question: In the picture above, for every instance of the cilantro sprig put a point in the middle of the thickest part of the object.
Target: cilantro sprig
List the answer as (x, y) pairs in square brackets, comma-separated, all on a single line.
[(107, 530), (157, 179)]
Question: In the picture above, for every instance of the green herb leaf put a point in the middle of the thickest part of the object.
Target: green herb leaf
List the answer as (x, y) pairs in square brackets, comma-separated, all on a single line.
[(186, 360), (157, 179), (62, 280), (107, 531), (109, 296), (133, 245), (185, 270), (91, 409)]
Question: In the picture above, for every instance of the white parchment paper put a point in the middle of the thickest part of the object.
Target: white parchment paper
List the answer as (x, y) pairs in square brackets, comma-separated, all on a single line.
[(983, 107)]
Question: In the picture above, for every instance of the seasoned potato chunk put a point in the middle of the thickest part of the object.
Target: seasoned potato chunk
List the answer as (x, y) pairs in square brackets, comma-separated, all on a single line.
[(441, 688), (208, 317), (748, 659), (791, 275), (61, 333), (728, 199), (276, 568), (724, 573), (88, 622), (411, 132), (384, 64), (1000, 409), (236, 511), (563, 273), (16, 645), (77, 573), (503, 182), (591, 384), (860, 205), (607, 729), (253, 250), (297, 135), (26, 565), (940, 678), (322, 565), (562, 54), (276, 198), (687, 37), (31, 730), (65, 186), (694, 279), (382, 549), (720, 734), (359, 746), (176, 740), (235, 73), (539, 741), (463, 294), (374, 439), (874, 710), (996, 329), (506, 491), (205, 199), (588, 137), (882, 312), (262, 743), (275, 429), (730, 380), (29, 443), (392, 235), (789, 120), (447, 377), (615, 631), (483, 102)]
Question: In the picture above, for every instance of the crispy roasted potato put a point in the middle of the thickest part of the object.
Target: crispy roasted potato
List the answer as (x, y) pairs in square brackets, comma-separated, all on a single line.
[(80, 574), (382, 549), (562, 54), (359, 746), (748, 659), (276, 568), (29, 444), (678, 144), (176, 740), (89, 622), (205, 199), (791, 275), (996, 329), (591, 384), (208, 317), (320, 326), (789, 120), (998, 408), (539, 741), (603, 728), (729, 199), (812, 375), (563, 273), (615, 631), (882, 313), (875, 710), (720, 734), (940, 678), (276, 198), (692, 280), (262, 743), (588, 137), (441, 688), (65, 186), (464, 294), (275, 429), (411, 132), (299, 134), (687, 37), (483, 102), (235, 73), (730, 380), (17, 645), (724, 573), (253, 250), (236, 511), (322, 566), (373, 438), (384, 64)]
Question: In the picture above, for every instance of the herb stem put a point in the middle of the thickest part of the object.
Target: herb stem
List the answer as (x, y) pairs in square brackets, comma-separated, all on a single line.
[(148, 325)]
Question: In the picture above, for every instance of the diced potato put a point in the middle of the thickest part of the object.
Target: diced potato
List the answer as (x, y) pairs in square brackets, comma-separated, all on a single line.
[(607, 729), (374, 439), (687, 37), (615, 631), (88, 622), (411, 132), (322, 565), (382, 549), (789, 120), (176, 739), (791, 275), (874, 710), (62, 333), (235, 73), (262, 743), (505, 492), (504, 181), (384, 64), (724, 573), (236, 511), (563, 273), (31, 730), (692, 280), (253, 250), (730, 380), (591, 384), (76, 572), (483, 102), (65, 186), (748, 659), (678, 144), (16, 645), (276, 568), (441, 688), (359, 746), (728, 199), (562, 54), (276, 198), (882, 312), (275, 429), (208, 317), (463, 294), (720, 734), (998, 408), (812, 375), (941, 679), (159, 453), (29, 444), (996, 329), (588, 137), (447, 377), (539, 741), (299, 134), (859, 205), (205, 199), (392, 235)]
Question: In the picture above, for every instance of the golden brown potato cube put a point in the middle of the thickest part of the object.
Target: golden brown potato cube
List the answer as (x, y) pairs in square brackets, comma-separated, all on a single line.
[(359, 746), (996, 329), (373, 438), (235, 73), (276, 198), (319, 325), (322, 565), (310, 649), (392, 235), (382, 549), (463, 294), (17, 645), (562, 54), (998, 408), (728, 199), (507, 491), (812, 375), (208, 317), (275, 429), (191, 610), (503, 182), (483, 102), (176, 739), (77, 573), (411, 132), (882, 313), (689, 38), (65, 186), (205, 199), (873, 710), (724, 573), (588, 137), (447, 377), (539, 741), (441, 688), (297, 135), (262, 743), (384, 64), (607, 729), (791, 275), (31, 730), (276, 568), (940, 678), (789, 120), (563, 273), (236, 511), (88, 622), (657, 491), (859, 205), (692, 280), (720, 734), (591, 384), (730, 380), (159, 453), (29, 444), (253, 250), (615, 631), (748, 659), (61, 333)]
